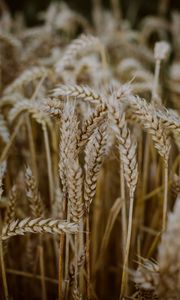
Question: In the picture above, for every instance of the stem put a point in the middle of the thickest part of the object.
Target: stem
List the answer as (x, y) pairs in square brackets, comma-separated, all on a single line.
[(60, 273), (49, 163), (67, 258), (8, 145), (125, 266), (3, 269), (41, 262), (124, 212), (32, 147), (156, 81), (116, 9), (165, 196), (30, 275), (97, 14), (87, 258), (76, 262)]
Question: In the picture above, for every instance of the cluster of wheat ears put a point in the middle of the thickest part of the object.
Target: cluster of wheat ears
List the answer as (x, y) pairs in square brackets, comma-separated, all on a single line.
[(89, 156)]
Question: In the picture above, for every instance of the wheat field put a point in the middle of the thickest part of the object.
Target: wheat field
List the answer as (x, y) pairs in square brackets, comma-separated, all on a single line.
[(89, 155)]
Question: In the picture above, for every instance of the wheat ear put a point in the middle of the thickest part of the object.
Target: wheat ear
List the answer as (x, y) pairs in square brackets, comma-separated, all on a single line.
[(78, 92), (32, 194), (38, 225)]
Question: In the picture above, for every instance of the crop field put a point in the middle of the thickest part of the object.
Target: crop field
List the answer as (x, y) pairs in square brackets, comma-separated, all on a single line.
[(89, 153)]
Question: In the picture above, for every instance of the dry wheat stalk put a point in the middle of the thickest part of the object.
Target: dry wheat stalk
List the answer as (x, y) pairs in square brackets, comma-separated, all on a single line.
[(78, 92), (149, 120), (38, 225), (127, 149)]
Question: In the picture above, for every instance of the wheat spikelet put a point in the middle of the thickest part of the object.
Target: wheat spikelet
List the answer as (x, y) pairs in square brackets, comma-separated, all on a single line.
[(78, 92), (4, 131), (94, 155), (80, 263), (168, 257), (10, 212), (38, 225), (32, 194), (84, 43), (76, 294), (54, 107), (75, 181)]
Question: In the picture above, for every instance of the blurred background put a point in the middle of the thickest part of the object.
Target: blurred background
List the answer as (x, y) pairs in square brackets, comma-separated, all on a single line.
[(133, 10)]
